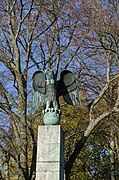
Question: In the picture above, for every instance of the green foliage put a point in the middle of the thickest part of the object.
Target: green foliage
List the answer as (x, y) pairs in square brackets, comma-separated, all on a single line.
[(94, 159)]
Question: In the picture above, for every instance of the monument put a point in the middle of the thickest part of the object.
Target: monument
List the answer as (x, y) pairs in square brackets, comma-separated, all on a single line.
[(50, 145)]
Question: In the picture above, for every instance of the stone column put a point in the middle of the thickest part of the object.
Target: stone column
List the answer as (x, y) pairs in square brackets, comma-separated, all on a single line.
[(50, 153)]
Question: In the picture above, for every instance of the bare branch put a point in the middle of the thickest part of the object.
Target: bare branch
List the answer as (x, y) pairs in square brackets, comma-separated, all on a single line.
[(22, 19), (45, 29), (5, 94), (102, 92)]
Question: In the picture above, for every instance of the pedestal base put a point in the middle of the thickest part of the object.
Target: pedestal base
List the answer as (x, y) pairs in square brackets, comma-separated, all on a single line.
[(50, 153)]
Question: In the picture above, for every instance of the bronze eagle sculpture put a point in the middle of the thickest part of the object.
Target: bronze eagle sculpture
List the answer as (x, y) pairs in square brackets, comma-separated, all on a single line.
[(47, 90)]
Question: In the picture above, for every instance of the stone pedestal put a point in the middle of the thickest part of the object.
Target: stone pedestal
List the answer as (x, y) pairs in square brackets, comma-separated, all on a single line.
[(50, 153)]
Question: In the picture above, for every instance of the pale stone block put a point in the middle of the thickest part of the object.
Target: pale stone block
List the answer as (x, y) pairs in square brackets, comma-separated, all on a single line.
[(47, 176), (48, 167), (50, 153), (50, 134)]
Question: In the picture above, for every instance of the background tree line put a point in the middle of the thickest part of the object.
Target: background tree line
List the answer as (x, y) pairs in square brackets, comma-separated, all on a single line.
[(76, 35)]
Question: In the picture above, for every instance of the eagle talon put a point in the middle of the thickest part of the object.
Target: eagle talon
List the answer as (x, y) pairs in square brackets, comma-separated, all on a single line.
[(59, 111), (46, 110), (49, 110), (52, 109)]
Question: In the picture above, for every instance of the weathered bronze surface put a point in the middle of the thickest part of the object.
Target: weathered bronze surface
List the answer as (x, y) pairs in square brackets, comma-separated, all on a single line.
[(47, 90)]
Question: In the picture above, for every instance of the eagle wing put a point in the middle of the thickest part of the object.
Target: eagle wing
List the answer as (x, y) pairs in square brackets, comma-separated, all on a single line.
[(68, 88), (39, 89)]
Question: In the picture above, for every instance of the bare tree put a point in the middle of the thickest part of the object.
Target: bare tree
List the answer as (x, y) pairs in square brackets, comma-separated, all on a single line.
[(81, 36)]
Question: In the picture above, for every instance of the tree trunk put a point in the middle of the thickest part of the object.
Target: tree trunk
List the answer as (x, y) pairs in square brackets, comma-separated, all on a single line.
[(7, 156), (67, 176), (22, 128), (74, 155), (112, 154)]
